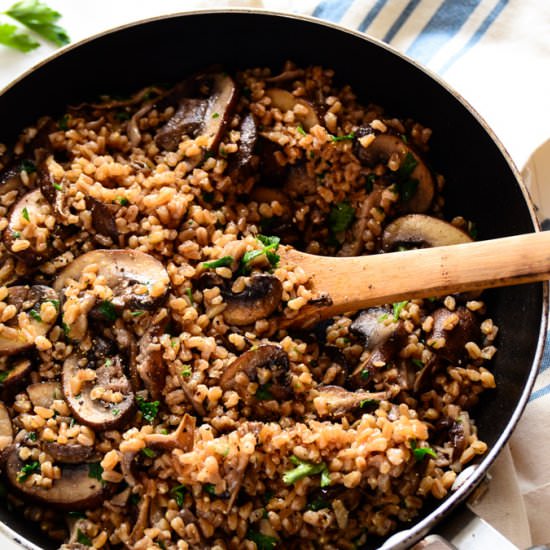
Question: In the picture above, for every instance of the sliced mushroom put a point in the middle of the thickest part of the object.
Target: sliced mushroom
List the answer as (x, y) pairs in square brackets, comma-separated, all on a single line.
[(421, 231), (6, 430), (43, 394), (150, 365), (183, 438), (187, 120), (89, 408), (243, 160), (103, 218), (71, 453), (75, 490), (285, 101), (285, 76), (258, 300), (142, 520), (15, 338), (22, 226), (10, 180), (336, 401), (16, 374), (267, 365), (200, 116), (384, 337), (386, 146), (454, 334)]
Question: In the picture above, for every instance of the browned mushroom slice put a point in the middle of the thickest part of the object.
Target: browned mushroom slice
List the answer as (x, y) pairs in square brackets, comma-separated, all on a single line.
[(150, 365), (15, 338), (103, 218), (451, 331), (71, 453), (10, 180), (257, 301), (43, 394), (75, 490), (286, 75), (26, 229), (417, 186), (6, 430), (336, 401), (100, 398), (183, 438), (285, 101), (187, 120), (374, 326), (14, 376), (421, 231), (243, 161), (267, 365)]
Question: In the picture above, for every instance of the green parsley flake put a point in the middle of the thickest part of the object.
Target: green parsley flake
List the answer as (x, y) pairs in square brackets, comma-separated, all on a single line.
[(226, 261), (32, 436), (398, 308), (81, 538), (115, 411), (149, 409), (63, 122), (27, 470), (178, 493), (107, 310), (95, 471), (365, 374), (149, 453), (421, 452), (189, 292), (57, 186), (123, 201), (417, 363), (351, 135), (16, 234), (27, 166), (186, 371), (11, 36), (263, 542), (35, 315), (215, 115), (304, 469), (263, 393), (301, 130), (210, 488), (365, 402), (341, 216), (25, 214), (271, 245), (55, 304), (137, 313)]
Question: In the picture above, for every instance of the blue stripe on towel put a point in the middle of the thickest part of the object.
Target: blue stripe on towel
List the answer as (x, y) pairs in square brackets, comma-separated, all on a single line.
[(371, 15), (442, 26), (540, 393), (478, 35), (332, 10), (400, 21)]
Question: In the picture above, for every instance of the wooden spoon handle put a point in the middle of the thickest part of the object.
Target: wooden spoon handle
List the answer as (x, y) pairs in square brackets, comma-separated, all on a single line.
[(365, 281)]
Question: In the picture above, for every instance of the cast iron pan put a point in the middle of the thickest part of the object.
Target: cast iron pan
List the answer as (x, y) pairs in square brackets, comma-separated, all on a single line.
[(482, 183)]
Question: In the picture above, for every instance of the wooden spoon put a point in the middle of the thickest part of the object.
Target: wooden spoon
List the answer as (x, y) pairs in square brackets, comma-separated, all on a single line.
[(359, 282)]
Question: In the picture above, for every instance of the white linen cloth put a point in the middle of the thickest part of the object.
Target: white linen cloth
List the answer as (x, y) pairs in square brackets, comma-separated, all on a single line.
[(496, 53)]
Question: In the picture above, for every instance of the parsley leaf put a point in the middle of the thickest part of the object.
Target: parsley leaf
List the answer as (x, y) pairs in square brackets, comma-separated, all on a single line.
[(27, 166), (149, 453), (351, 135), (210, 488), (27, 470), (407, 185), (123, 201), (417, 363), (263, 393), (149, 409), (137, 313), (186, 371), (341, 216), (226, 261), (178, 493), (365, 402), (398, 308), (35, 315), (107, 309), (271, 244), (301, 130), (40, 18), (263, 542), (11, 36), (317, 504), (303, 469), (189, 292), (25, 214), (95, 470), (82, 538), (57, 186), (421, 452)]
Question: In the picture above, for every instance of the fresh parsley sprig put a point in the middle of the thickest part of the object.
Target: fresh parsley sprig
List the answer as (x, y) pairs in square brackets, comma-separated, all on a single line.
[(37, 17)]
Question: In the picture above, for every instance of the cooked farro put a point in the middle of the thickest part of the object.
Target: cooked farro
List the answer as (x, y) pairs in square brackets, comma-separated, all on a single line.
[(141, 348)]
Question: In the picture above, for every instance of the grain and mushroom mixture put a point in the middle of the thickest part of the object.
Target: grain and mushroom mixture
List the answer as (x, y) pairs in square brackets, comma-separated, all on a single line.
[(156, 392)]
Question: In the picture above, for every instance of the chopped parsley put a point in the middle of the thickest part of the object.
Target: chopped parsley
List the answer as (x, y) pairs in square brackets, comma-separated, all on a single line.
[(31, 436), (16, 234), (35, 315), (371, 178), (63, 122), (398, 308), (95, 471), (304, 469), (11, 36), (149, 453), (263, 393), (365, 373), (57, 186), (66, 328), (351, 135), (27, 166), (189, 292), (123, 201), (81, 538), (417, 363), (107, 309), (365, 402), (263, 542), (215, 115), (186, 371), (55, 304), (27, 470), (271, 244), (25, 214), (149, 409), (178, 493), (317, 504), (421, 452), (137, 313), (407, 185), (226, 261), (382, 317), (115, 411), (341, 216), (210, 488), (301, 130)]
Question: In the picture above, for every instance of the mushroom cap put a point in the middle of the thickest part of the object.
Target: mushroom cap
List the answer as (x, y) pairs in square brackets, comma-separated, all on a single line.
[(27, 299), (422, 231), (6, 429), (124, 271), (285, 101), (75, 490), (96, 413)]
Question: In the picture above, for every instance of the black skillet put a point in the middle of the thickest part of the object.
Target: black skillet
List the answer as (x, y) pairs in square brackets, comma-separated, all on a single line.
[(482, 183)]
